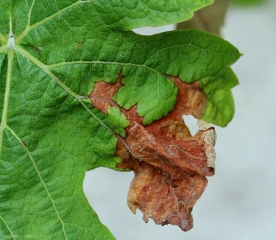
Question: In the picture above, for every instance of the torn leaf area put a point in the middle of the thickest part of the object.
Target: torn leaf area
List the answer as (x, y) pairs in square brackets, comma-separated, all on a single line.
[(170, 164), (166, 200), (169, 175)]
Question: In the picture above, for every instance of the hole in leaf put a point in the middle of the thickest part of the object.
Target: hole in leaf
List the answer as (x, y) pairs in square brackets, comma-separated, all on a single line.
[(154, 30), (191, 123)]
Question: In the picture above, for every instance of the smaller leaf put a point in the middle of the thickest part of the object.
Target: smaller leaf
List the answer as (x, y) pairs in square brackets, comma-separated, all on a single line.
[(210, 18)]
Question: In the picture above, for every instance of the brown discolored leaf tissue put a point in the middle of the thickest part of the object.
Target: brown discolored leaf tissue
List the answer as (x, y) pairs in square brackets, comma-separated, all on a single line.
[(170, 164)]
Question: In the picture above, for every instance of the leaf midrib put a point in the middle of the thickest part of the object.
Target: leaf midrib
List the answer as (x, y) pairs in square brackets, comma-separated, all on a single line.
[(11, 51), (6, 97)]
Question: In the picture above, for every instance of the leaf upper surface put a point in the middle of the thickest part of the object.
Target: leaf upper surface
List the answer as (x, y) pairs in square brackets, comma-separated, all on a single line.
[(130, 14), (52, 53)]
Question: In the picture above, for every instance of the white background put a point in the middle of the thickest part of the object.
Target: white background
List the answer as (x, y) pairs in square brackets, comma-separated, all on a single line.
[(240, 200)]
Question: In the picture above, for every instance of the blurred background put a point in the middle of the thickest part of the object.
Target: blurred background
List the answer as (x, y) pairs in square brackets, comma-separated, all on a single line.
[(240, 200)]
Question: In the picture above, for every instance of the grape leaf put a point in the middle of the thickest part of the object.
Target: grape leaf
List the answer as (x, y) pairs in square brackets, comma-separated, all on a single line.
[(52, 53), (249, 2), (209, 19)]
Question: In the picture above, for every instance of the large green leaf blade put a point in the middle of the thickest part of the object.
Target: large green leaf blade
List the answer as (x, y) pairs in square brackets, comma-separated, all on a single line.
[(51, 55)]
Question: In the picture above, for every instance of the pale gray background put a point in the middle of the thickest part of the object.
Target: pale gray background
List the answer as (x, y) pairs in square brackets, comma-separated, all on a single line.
[(240, 200)]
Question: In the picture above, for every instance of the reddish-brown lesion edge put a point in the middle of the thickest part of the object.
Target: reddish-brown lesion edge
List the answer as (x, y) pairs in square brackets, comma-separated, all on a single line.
[(170, 164)]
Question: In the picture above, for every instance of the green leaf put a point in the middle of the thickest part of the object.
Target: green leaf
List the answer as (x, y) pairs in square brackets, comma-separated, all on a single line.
[(118, 120), (127, 15), (51, 55), (220, 107), (249, 2), (192, 55)]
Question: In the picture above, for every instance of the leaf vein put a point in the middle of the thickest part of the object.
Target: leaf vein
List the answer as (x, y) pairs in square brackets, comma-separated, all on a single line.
[(6, 97), (47, 70), (30, 27), (7, 226), (101, 62), (39, 176), (89, 229)]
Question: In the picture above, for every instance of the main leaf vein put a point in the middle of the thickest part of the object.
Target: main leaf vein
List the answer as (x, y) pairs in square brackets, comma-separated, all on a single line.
[(6, 96), (47, 70)]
